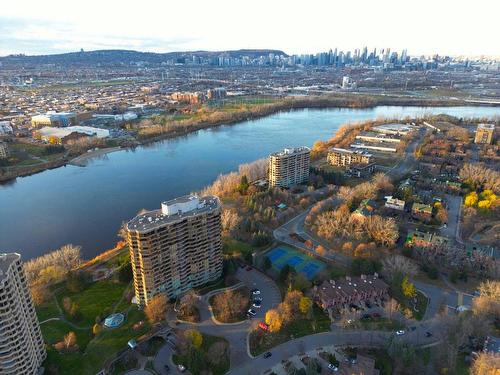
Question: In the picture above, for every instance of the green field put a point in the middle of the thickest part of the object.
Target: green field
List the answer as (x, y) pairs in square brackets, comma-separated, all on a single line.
[(97, 299)]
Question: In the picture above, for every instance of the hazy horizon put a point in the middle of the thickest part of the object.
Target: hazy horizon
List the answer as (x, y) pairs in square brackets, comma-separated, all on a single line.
[(423, 28)]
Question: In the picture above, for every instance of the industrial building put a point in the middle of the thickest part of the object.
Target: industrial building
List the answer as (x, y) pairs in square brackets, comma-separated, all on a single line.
[(57, 119), (58, 135), (485, 134), (22, 349), (175, 248), (289, 167)]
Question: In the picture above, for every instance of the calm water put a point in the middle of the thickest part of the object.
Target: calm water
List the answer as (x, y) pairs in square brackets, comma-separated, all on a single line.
[(86, 205)]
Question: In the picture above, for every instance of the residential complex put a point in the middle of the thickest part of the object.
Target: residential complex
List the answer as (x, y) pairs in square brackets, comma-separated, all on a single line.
[(289, 167), (485, 134), (175, 248), (351, 290), (345, 157), (22, 349)]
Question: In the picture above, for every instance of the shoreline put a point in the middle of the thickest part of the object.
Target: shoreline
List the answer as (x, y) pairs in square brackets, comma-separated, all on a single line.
[(287, 105), (81, 160)]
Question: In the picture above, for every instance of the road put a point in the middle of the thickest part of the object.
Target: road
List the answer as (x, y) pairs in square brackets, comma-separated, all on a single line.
[(454, 205), (338, 337)]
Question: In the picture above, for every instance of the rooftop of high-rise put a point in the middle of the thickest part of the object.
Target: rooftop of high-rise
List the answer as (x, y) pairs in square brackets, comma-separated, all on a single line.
[(6, 259), (173, 210), (291, 150)]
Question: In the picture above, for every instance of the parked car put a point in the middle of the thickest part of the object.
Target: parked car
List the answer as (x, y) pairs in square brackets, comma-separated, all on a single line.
[(263, 326), (257, 304), (267, 354), (332, 367), (181, 368), (255, 292), (257, 298), (428, 334), (251, 312), (400, 332), (249, 268), (167, 369)]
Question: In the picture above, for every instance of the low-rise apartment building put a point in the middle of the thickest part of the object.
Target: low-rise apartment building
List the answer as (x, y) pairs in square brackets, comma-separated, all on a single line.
[(336, 294), (345, 157), (289, 167), (485, 134), (395, 204)]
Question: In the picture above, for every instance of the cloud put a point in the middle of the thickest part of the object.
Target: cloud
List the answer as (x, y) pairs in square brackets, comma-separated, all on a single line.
[(41, 37)]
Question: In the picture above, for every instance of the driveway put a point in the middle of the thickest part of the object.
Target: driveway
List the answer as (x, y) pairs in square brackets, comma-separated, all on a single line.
[(164, 357), (236, 333), (454, 203), (440, 297)]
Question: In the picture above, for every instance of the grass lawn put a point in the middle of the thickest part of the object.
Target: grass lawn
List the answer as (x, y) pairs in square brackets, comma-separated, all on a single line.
[(96, 300), (422, 302), (261, 342), (47, 310), (196, 359)]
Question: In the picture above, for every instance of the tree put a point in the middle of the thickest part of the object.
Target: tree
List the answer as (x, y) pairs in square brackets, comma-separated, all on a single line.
[(285, 272), (274, 320), (267, 263), (230, 220), (471, 199), (40, 294), (364, 266), (396, 266), (486, 364), (347, 248), (69, 340), (229, 305), (243, 186), (305, 305), (383, 231), (156, 309), (409, 290), (320, 250), (300, 282), (96, 328), (194, 337), (125, 273)]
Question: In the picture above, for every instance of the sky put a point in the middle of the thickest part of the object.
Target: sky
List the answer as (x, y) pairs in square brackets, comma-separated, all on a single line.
[(446, 27)]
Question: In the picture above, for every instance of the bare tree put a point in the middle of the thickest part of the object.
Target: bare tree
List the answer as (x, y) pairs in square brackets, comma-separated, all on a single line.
[(395, 265), (156, 309)]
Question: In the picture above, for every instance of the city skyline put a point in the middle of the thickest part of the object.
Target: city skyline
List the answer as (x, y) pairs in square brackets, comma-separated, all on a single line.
[(32, 28)]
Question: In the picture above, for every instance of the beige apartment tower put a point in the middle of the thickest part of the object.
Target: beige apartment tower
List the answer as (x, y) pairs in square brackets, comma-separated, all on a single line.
[(175, 248), (289, 167), (22, 349), (345, 157), (485, 134)]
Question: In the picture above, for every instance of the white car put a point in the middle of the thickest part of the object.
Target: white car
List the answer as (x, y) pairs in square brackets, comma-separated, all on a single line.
[(257, 304), (251, 312), (256, 292), (400, 332), (332, 367)]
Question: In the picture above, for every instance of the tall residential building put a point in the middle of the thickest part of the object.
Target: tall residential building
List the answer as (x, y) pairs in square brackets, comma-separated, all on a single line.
[(22, 349), (175, 248), (289, 167), (485, 133), (4, 150), (344, 157)]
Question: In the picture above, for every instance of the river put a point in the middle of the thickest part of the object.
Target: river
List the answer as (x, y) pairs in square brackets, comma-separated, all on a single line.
[(86, 205)]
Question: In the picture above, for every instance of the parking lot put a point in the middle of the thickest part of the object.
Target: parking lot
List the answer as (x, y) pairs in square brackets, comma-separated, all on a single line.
[(269, 292)]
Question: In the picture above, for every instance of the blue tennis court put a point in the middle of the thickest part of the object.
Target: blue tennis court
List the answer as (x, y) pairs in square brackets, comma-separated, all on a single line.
[(281, 256)]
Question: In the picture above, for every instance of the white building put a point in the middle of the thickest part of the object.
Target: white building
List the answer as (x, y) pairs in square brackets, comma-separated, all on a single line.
[(395, 204), (395, 129), (60, 133)]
